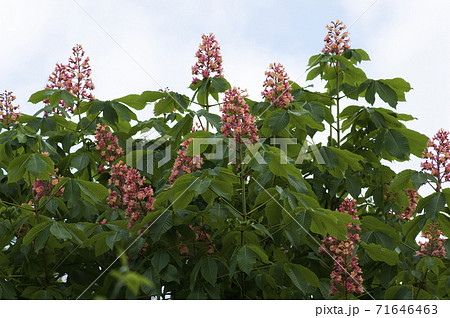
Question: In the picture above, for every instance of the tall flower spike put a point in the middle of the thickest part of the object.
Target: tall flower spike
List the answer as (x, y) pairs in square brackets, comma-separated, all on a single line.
[(336, 41), (209, 59), (237, 122), (276, 87), (8, 114), (74, 77), (346, 271), (434, 247), (413, 198), (437, 157), (130, 193), (185, 164), (107, 145)]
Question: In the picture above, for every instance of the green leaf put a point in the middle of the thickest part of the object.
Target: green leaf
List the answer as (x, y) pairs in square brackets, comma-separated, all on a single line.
[(396, 144), (38, 164), (330, 158), (278, 121), (418, 178), (413, 227), (132, 100), (375, 225), (6, 290), (417, 141), (40, 96), (109, 114), (209, 270), (353, 186), (370, 92), (262, 229), (213, 119), (246, 259), (182, 199), (402, 181), (161, 225), (112, 238), (100, 244), (17, 168), (327, 222), (80, 161), (435, 204), (399, 85), (379, 253), (152, 96), (41, 239), (386, 93), (260, 252), (170, 274), (220, 84), (93, 190), (60, 232), (35, 230), (160, 260), (71, 191), (298, 184), (296, 277)]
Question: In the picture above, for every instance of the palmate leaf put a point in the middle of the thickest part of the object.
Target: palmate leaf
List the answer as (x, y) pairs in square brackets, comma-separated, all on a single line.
[(60, 232), (246, 259), (35, 230), (396, 144), (161, 225), (209, 270), (379, 253)]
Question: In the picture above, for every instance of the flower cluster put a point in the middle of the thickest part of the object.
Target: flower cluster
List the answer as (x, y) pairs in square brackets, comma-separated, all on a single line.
[(201, 245), (107, 145), (131, 194), (8, 114), (209, 59), (337, 40), (276, 87), (346, 272), (434, 247), (185, 164), (74, 77), (237, 122), (437, 157), (413, 198), (43, 188)]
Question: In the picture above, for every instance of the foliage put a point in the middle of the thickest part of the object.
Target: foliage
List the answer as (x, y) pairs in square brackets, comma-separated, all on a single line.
[(246, 224)]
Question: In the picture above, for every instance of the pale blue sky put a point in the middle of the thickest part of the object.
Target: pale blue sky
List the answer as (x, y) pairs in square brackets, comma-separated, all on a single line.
[(404, 38)]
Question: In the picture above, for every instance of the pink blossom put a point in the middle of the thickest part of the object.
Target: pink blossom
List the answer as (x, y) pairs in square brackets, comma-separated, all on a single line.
[(8, 114), (276, 87), (413, 198), (107, 145), (209, 59), (43, 188), (336, 41), (237, 122), (437, 157), (129, 193), (74, 77), (346, 271), (434, 247), (185, 164)]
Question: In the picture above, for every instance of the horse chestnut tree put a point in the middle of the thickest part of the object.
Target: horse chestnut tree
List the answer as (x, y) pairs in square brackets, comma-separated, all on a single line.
[(243, 206)]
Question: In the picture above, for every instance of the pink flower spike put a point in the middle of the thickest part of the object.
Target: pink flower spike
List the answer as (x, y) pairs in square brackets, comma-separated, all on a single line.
[(74, 77), (209, 59), (336, 41), (276, 87), (8, 112)]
